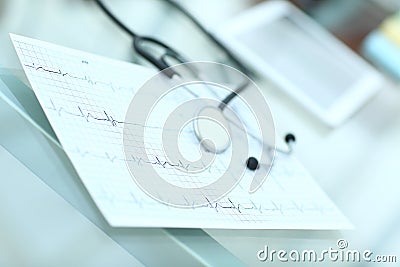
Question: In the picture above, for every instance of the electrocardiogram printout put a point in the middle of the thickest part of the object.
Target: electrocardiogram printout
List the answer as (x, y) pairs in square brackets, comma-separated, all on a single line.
[(85, 98)]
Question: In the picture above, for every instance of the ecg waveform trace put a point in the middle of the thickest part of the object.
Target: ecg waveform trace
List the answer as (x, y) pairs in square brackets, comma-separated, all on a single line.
[(141, 161), (86, 116), (81, 78)]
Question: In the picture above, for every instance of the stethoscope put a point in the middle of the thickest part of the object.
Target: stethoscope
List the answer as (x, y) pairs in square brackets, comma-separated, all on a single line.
[(202, 128)]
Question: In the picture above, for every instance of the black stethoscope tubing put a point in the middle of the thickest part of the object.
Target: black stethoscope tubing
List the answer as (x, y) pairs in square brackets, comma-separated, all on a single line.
[(139, 45)]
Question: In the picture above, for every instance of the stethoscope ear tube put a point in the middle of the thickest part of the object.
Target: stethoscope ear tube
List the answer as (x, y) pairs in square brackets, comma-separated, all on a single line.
[(290, 140), (139, 44)]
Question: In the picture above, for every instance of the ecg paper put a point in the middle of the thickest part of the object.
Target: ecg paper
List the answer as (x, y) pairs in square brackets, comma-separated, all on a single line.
[(85, 98)]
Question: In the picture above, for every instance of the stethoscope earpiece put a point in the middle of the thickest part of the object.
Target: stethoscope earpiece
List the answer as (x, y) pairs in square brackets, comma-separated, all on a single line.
[(252, 163), (289, 138)]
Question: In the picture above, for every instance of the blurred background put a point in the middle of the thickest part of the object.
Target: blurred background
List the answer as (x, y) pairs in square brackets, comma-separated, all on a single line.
[(357, 164)]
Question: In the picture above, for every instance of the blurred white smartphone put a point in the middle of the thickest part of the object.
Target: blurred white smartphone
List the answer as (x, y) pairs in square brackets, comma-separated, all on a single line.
[(282, 43)]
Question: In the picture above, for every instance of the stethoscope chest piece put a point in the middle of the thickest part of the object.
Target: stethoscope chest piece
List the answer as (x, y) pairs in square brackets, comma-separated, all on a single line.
[(212, 129)]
